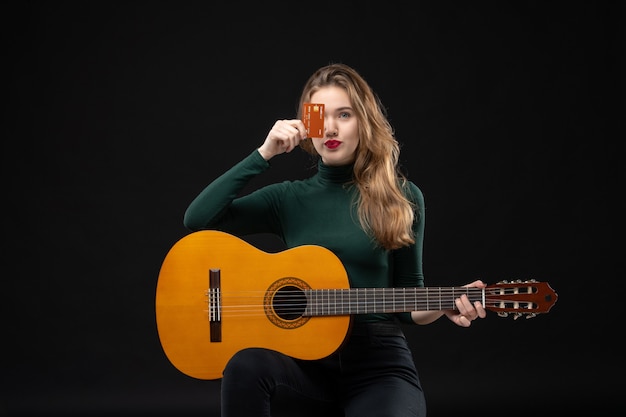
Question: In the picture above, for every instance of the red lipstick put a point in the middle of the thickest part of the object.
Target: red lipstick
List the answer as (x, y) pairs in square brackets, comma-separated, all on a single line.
[(332, 144)]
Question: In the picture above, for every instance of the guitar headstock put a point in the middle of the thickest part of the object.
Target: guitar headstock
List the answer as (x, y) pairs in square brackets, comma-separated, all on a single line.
[(519, 298)]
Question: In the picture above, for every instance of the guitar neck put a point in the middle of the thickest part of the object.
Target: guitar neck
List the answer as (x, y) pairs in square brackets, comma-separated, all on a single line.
[(339, 302)]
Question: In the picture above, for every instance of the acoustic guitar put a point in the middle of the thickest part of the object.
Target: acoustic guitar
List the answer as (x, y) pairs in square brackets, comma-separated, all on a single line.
[(217, 294)]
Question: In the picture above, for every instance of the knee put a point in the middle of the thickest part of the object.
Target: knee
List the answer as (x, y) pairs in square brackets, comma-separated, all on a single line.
[(250, 364)]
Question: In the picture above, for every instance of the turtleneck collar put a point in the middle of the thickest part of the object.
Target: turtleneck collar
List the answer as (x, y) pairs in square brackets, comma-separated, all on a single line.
[(335, 174)]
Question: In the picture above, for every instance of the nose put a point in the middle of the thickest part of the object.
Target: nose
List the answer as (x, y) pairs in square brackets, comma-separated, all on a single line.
[(330, 129)]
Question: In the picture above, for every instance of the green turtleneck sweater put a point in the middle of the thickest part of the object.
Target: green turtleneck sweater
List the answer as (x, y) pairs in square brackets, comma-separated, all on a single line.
[(319, 210)]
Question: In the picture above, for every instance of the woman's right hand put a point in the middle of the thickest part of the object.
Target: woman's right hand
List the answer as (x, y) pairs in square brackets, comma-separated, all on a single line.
[(284, 136)]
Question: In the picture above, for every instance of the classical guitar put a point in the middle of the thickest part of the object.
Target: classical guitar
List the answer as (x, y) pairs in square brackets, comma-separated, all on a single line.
[(217, 294)]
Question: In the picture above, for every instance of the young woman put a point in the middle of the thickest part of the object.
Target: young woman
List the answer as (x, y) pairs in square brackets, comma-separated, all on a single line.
[(360, 206)]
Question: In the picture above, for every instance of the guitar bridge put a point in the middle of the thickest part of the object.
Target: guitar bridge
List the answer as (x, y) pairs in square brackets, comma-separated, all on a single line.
[(215, 305)]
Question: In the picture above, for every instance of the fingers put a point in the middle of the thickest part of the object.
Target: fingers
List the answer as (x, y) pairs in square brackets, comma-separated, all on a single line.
[(300, 129), (477, 284), (480, 310), (464, 321), (289, 133), (284, 136), (466, 311), (469, 311)]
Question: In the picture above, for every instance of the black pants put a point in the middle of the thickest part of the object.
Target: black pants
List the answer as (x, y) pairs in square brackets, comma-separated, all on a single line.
[(372, 375)]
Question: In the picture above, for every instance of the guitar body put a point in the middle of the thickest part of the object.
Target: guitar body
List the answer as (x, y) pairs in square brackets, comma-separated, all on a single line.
[(249, 280)]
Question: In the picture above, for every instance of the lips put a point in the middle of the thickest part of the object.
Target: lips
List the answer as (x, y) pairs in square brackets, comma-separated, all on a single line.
[(332, 144)]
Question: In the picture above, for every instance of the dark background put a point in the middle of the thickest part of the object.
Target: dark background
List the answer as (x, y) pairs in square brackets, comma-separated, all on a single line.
[(119, 113)]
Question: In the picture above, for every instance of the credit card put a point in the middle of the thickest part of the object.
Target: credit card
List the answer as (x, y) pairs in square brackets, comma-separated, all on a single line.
[(313, 119)]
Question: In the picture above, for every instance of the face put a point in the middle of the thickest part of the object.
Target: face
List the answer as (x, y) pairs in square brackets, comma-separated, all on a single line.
[(341, 133)]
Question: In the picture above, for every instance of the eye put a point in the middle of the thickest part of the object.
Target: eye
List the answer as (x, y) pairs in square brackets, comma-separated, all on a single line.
[(345, 115)]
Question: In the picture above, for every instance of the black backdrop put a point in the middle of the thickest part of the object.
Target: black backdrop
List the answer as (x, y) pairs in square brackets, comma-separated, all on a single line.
[(119, 113)]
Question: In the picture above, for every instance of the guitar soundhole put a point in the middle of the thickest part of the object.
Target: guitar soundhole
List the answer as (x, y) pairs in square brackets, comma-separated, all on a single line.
[(285, 303), (289, 303)]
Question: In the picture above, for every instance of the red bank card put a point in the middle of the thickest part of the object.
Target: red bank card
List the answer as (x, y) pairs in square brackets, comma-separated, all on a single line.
[(313, 119)]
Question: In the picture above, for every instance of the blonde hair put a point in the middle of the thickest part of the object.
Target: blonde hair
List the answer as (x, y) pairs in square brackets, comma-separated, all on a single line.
[(383, 209)]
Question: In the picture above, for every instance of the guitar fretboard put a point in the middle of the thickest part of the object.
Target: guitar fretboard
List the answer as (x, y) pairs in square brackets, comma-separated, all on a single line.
[(333, 302)]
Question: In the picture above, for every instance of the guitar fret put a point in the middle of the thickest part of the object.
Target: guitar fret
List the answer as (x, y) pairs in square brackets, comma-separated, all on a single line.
[(404, 300), (439, 297), (364, 302), (358, 302), (377, 306), (409, 299), (320, 303), (326, 302)]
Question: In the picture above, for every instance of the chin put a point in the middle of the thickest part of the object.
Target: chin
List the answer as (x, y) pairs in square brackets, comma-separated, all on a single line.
[(336, 161)]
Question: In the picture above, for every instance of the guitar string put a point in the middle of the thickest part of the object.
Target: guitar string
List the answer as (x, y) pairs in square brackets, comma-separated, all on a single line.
[(338, 296), (326, 304)]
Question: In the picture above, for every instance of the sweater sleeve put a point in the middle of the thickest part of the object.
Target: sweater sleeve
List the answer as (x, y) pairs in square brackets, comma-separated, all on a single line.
[(216, 208)]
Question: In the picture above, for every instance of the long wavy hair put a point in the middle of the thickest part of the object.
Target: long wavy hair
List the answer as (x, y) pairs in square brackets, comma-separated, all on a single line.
[(383, 209)]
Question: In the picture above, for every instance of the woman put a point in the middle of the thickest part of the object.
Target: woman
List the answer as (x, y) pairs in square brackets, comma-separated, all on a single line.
[(358, 205)]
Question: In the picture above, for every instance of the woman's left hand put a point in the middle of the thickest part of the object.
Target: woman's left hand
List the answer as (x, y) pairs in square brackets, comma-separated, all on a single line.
[(467, 311)]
